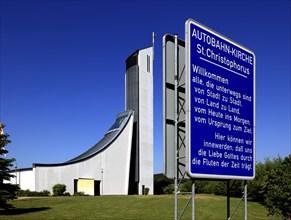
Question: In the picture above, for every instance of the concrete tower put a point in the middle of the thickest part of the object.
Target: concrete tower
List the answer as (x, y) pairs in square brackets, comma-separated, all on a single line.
[(139, 97)]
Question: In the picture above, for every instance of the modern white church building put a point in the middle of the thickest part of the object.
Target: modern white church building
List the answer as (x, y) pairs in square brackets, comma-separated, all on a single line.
[(121, 163)]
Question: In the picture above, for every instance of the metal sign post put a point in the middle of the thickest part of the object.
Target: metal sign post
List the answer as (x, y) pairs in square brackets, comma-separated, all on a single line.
[(246, 199), (174, 112), (176, 122)]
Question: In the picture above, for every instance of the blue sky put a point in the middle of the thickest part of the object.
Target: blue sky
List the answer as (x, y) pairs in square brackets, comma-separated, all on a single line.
[(63, 65)]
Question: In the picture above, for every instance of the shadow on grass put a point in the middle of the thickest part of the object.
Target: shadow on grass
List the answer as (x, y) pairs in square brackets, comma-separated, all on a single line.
[(19, 211)]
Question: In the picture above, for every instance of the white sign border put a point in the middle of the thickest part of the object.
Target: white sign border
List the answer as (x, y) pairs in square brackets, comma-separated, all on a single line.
[(188, 103)]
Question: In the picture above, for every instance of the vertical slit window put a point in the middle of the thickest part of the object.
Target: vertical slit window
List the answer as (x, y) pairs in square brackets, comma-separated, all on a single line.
[(148, 64)]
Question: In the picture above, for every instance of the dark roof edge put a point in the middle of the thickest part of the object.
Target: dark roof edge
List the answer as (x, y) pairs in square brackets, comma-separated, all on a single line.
[(136, 52), (21, 169)]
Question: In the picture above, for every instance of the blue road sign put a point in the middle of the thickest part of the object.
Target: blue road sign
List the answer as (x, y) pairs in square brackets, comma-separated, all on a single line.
[(220, 121)]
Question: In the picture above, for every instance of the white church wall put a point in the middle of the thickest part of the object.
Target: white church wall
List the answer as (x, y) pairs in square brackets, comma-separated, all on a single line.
[(117, 163), (24, 178), (110, 167)]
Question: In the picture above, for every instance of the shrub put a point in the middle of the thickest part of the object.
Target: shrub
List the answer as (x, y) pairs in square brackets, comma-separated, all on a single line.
[(28, 193), (186, 186), (45, 193), (59, 189), (146, 191), (160, 182), (169, 189), (80, 194), (23, 193)]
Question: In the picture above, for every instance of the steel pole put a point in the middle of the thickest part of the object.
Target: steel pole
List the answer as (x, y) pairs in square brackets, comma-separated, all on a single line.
[(193, 199), (228, 200), (175, 134), (246, 198)]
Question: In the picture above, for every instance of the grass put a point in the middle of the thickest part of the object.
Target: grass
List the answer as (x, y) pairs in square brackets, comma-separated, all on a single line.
[(129, 207)]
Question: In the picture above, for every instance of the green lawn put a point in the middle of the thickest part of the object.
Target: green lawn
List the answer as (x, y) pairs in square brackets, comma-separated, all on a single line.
[(128, 207)]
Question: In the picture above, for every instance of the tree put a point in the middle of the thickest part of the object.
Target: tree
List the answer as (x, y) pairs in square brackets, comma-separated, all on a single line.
[(278, 188), (8, 191), (272, 186), (257, 187)]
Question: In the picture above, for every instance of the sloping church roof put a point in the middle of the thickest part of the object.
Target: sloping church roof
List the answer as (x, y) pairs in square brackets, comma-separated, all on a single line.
[(114, 131)]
